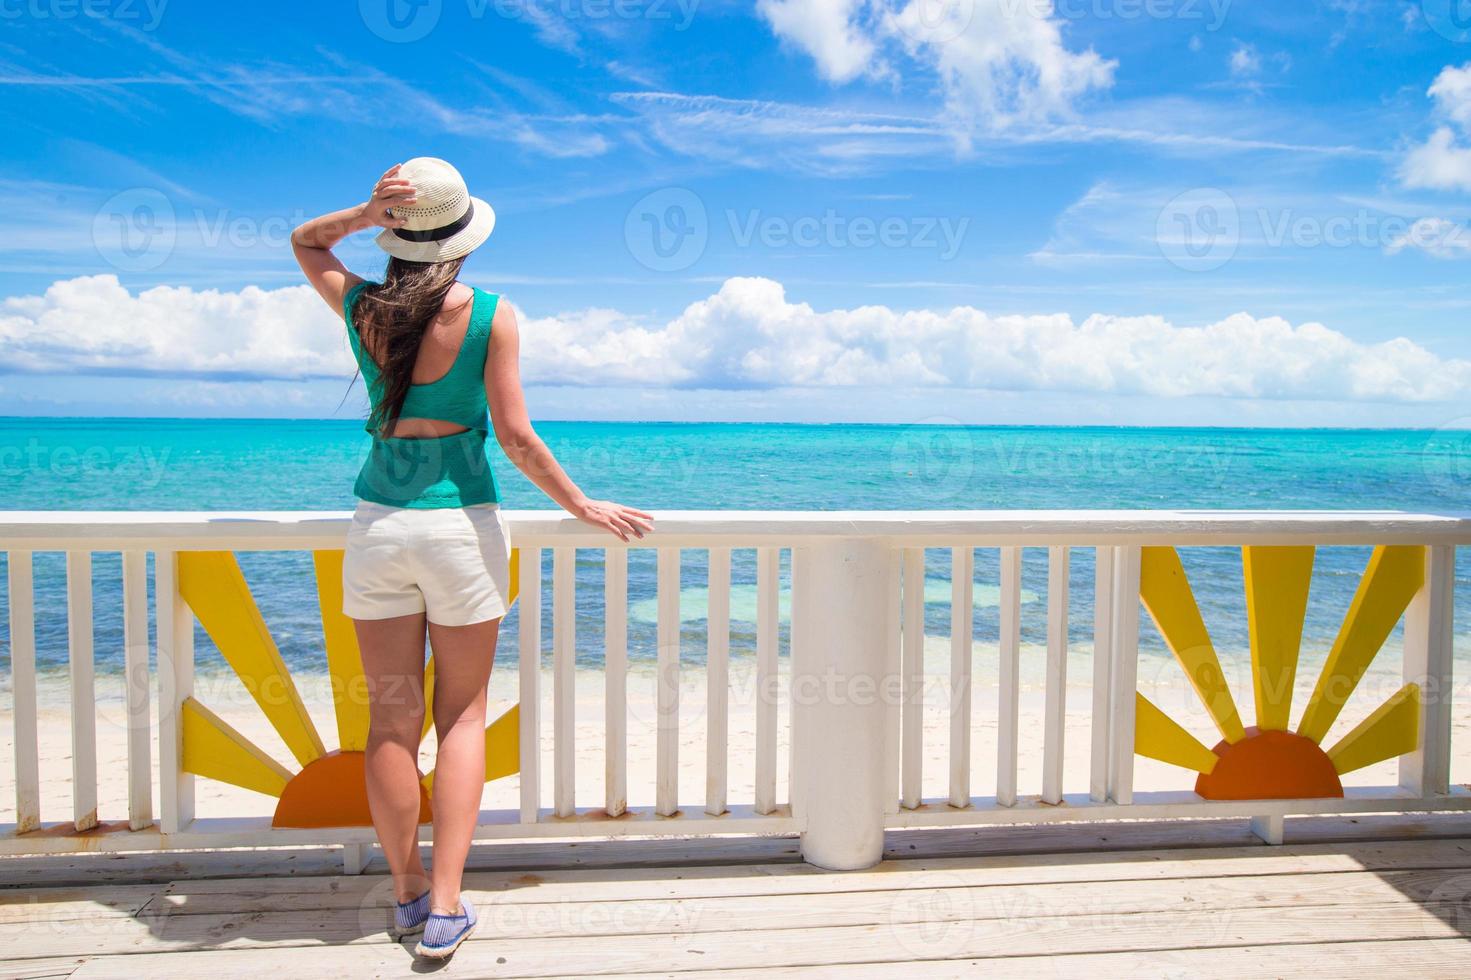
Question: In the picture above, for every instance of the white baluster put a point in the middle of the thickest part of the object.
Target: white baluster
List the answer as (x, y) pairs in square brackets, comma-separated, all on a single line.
[(175, 627), (615, 663), (1008, 678), (1055, 717), (768, 586), (564, 680), (717, 660), (135, 691), (666, 792), (23, 690), (1125, 645), (530, 683), (962, 642), (1429, 642), (912, 713), (81, 667)]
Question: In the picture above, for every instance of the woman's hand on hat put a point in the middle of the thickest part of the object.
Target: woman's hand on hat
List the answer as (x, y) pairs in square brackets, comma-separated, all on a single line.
[(391, 191)]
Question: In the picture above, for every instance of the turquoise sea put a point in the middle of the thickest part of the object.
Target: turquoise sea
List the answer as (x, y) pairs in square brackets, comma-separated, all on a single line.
[(166, 464)]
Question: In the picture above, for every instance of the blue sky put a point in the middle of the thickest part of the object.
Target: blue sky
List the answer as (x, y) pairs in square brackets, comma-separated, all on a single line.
[(1104, 211)]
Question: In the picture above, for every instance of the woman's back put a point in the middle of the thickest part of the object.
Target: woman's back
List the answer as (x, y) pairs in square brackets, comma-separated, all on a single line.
[(431, 452), (447, 394), (443, 340)]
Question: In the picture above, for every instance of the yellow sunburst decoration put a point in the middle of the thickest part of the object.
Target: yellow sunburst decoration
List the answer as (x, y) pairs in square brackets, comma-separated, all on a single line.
[(1266, 761), (329, 789)]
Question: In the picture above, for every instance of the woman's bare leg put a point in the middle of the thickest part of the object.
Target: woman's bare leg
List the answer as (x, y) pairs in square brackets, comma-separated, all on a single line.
[(462, 659), (393, 666)]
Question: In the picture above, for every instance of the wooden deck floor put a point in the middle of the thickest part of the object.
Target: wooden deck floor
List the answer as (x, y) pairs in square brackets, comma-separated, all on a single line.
[(1127, 900)]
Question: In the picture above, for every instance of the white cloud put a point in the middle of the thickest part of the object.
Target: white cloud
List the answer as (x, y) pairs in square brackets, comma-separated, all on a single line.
[(1438, 237), (94, 324), (1245, 60), (1451, 91), (999, 62), (748, 334), (843, 141), (1440, 163), (827, 30), (1443, 161)]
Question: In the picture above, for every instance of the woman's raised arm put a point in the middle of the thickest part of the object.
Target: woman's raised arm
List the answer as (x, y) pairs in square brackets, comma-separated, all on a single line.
[(313, 242)]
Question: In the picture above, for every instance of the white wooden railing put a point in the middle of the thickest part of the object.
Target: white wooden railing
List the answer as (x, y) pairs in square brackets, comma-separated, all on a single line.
[(857, 625)]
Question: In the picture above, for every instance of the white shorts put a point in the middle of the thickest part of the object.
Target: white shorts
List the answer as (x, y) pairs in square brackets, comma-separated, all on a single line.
[(453, 563)]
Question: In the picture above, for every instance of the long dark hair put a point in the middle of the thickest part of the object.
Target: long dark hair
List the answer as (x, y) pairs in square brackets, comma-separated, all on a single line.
[(390, 318)]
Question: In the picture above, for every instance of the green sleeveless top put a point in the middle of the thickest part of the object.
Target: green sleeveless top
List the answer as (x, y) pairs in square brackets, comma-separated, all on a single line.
[(451, 471)]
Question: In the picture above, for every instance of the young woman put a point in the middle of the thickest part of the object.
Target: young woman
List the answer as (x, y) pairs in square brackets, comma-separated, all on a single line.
[(427, 547)]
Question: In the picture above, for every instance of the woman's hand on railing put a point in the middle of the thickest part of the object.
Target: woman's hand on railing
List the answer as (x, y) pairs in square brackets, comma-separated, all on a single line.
[(616, 518)]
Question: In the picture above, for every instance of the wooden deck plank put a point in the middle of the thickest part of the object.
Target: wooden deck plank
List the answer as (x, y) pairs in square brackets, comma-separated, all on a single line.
[(894, 942), (19, 904), (943, 900), (1431, 958), (1348, 909), (337, 917), (46, 968), (587, 884)]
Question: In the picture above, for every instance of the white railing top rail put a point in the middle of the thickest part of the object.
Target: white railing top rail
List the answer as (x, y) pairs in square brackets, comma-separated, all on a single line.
[(295, 530)]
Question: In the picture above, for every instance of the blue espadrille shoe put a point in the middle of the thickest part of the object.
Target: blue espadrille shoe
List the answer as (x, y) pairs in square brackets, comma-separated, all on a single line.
[(444, 933), (409, 917)]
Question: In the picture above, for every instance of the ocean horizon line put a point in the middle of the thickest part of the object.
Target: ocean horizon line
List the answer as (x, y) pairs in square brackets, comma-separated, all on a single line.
[(997, 426)]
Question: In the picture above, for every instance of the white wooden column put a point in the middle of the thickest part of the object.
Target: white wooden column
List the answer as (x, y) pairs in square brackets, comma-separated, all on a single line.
[(839, 664)]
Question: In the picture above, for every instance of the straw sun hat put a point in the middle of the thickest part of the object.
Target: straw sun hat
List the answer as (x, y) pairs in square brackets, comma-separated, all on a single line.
[(444, 223)]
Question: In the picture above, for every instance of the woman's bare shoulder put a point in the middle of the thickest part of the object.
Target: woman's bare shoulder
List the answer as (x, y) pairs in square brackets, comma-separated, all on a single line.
[(505, 317)]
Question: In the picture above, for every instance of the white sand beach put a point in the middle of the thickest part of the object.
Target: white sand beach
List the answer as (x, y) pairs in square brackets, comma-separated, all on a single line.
[(1160, 680)]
